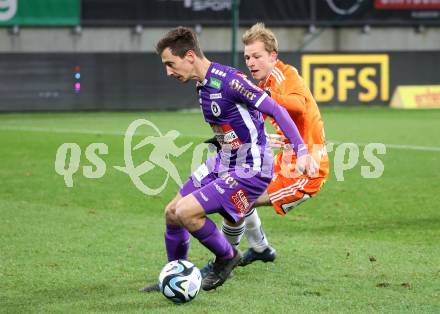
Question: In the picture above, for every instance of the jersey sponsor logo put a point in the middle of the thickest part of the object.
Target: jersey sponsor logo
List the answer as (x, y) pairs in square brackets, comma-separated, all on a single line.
[(215, 83), (215, 96), (240, 201), (204, 197), (362, 78), (229, 180), (215, 108), (230, 137), (226, 136), (219, 188), (245, 78), (239, 87)]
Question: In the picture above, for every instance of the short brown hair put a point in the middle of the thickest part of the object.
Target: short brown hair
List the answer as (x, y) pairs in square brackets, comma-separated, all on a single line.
[(259, 32), (180, 40)]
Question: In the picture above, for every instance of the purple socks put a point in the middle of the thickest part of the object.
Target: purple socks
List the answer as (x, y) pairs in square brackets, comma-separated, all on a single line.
[(213, 240), (176, 242)]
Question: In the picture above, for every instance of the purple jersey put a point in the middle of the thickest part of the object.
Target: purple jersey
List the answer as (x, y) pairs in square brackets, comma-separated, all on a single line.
[(228, 101), (232, 105), (231, 182)]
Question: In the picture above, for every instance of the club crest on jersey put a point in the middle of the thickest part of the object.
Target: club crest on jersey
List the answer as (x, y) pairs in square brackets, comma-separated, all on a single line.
[(215, 108), (215, 83)]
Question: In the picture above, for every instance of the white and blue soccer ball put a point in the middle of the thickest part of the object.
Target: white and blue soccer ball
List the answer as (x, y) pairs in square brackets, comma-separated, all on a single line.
[(180, 281)]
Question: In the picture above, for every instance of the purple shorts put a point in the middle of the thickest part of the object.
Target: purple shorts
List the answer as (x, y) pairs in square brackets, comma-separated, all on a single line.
[(227, 193)]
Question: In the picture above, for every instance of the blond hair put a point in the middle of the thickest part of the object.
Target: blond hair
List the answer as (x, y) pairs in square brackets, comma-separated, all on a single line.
[(259, 32)]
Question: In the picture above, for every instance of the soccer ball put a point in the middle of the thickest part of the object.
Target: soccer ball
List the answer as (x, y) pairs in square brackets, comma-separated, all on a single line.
[(180, 281)]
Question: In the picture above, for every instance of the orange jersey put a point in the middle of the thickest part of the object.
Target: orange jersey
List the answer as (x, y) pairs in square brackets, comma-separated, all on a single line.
[(288, 89)]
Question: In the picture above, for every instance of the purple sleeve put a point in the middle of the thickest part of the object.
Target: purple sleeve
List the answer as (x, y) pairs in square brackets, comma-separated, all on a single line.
[(244, 91), (268, 106)]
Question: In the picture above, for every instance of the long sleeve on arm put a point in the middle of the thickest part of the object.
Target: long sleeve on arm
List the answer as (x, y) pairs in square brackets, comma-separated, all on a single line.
[(287, 88), (244, 91), (268, 106), (294, 103)]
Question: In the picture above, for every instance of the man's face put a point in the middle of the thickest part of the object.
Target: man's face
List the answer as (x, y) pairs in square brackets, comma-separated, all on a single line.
[(259, 62), (179, 68)]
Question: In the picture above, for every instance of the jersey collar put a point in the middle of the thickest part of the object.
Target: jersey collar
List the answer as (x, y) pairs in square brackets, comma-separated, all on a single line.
[(208, 75)]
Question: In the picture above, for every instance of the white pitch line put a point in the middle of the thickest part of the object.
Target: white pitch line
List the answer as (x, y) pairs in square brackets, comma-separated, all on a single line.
[(397, 146), (88, 131), (58, 130), (79, 131)]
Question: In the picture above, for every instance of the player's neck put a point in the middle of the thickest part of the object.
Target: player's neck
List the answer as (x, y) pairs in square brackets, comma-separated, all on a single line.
[(201, 68), (272, 66)]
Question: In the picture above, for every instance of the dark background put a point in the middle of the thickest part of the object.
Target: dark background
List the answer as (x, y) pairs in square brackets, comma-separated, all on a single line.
[(137, 81), (272, 12)]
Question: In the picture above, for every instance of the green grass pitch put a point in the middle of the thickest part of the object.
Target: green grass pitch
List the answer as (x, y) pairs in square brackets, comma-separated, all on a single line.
[(362, 245)]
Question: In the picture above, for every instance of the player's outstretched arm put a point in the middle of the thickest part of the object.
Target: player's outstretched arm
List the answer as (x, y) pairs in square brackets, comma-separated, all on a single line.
[(268, 106), (244, 91), (294, 103), (291, 93), (305, 163)]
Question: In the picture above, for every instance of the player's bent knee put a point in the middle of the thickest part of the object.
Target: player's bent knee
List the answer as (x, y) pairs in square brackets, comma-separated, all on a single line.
[(170, 210), (175, 200), (170, 215), (182, 211)]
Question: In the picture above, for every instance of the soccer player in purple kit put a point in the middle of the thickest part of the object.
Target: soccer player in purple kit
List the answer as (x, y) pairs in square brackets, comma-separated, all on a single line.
[(230, 182)]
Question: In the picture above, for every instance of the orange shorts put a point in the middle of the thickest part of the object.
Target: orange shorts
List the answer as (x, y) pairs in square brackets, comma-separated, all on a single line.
[(285, 193)]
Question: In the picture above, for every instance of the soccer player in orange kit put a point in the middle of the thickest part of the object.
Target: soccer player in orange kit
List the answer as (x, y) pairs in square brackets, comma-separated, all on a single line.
[(283, 83)]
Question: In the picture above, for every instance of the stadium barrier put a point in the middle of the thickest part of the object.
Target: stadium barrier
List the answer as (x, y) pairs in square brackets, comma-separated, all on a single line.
[(137, 81)]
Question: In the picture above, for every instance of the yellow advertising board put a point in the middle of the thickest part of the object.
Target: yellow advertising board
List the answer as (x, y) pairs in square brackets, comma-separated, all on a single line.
[(347, 78), (416, 97)]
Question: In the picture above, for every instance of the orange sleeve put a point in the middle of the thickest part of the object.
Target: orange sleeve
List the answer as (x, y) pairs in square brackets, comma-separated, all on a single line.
[(291, 93)]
